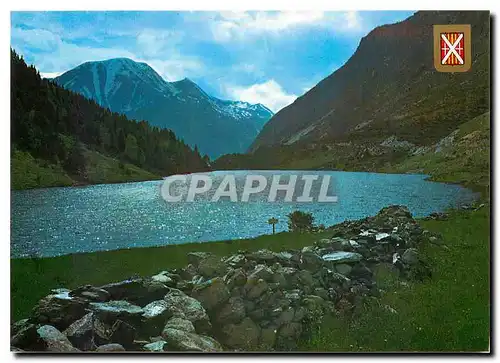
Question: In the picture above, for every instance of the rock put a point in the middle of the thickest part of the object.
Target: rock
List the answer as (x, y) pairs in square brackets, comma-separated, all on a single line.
[(110, 348), (305, 278), (343, 269), (23, 334), (286, 316), (293, 296), (263, 256), (123, 333), (184, 306), (110, 311), (183, 341), (155, 346), (137, 291), (244, 335), (279, 278), (313, 303), (91, 293), (165, 278), (207, 264), (55, 341), (267, 338), (255, 288), (80, 332), (288, 335), (321, 292), (59, 310), (284, 258), (235, 277), (154, 317), (236, 261), (102, 332), (342, 257), (195, 258), (211, 267), (262, 272), (232, 312), (361, 271), (310, 260), (410, 256), (212, 293), (180, 324)]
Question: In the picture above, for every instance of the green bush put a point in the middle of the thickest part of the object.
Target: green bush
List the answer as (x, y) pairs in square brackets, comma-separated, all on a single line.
[(299, 221)]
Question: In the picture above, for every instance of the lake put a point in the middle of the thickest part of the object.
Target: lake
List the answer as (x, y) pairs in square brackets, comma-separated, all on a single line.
[(57, 221)]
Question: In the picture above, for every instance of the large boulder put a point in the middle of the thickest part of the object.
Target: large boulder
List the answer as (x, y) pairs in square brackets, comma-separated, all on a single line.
[(54, 341)]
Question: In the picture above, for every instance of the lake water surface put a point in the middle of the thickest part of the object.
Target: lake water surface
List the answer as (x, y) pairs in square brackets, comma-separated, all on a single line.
[(57, 221)]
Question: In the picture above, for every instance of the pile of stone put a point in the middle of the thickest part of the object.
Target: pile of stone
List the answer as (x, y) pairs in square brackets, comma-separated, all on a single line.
[(250, 301)]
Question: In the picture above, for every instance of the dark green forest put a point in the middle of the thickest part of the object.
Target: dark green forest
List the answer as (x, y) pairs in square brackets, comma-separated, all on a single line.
[(61, 128)]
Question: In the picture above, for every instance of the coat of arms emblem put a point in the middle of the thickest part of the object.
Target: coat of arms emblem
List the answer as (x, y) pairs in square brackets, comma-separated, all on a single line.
[(452, 48)]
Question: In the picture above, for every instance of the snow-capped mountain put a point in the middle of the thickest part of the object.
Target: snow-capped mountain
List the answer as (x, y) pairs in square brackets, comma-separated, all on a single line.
[(216, 126)]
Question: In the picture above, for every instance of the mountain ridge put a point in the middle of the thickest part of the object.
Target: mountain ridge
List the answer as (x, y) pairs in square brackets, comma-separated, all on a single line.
[(138, 91)]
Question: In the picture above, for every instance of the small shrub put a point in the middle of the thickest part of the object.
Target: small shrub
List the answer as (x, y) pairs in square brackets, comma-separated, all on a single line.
[(299, 221)]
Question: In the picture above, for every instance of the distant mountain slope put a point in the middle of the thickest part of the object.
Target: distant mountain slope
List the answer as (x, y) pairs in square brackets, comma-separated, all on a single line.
[(135, 89), (390, 87), (68, 137)]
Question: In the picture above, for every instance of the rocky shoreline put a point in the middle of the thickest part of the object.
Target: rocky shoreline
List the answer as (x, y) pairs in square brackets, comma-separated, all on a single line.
[(249, 301)]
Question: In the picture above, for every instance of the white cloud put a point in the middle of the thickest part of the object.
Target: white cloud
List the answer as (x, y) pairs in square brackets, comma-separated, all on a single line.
[(177, 68), (269, 93), (54, 55), (40, 39), (353, 20), (237, 25), (154, 41)]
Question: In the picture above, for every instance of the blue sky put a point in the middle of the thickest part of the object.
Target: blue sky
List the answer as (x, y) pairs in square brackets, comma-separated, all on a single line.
[(259, 57)]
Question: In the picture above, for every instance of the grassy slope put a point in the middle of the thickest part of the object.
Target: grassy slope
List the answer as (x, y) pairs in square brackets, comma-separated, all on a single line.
[(27, 172)]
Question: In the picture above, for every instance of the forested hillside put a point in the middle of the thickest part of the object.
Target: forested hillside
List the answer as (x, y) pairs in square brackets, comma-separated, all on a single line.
[(63, 131)]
